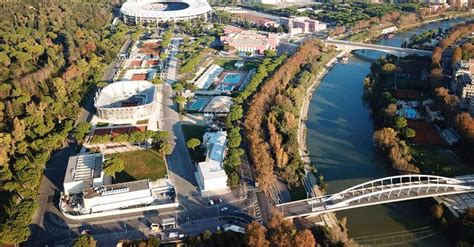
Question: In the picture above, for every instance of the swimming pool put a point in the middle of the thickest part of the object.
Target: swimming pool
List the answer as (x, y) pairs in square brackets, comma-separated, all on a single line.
[(232, 78)]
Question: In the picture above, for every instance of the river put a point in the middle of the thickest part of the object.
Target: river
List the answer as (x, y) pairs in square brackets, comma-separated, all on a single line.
[(339, 141)]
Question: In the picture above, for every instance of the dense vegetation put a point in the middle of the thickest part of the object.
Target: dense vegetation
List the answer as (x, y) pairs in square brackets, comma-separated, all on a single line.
[(449, 103), (51, 53), (279, 232), (272, 119), (392, 132)]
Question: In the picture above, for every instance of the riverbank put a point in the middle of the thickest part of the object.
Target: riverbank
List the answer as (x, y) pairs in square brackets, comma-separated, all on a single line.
[(337, 230), (304, 108)]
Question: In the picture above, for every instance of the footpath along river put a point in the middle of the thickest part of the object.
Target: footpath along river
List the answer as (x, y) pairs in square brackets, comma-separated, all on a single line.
[(339, 142)]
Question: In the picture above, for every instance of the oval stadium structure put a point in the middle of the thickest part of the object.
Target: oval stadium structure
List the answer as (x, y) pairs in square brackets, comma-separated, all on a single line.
[(158, 11), (126, 100)]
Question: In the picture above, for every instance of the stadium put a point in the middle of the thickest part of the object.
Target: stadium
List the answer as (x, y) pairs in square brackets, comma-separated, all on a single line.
[(126, 100), (158, 11)]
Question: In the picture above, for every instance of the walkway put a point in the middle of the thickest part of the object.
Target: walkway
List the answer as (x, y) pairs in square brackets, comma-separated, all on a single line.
[(379, 191), (351, 46)]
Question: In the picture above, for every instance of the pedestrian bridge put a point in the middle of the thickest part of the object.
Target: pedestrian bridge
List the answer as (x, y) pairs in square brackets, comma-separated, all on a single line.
[(349, 46), (379, 191)]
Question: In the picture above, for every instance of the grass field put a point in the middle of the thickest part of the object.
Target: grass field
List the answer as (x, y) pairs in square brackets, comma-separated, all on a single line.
[(141, 164), (439, 160), (194, 131)]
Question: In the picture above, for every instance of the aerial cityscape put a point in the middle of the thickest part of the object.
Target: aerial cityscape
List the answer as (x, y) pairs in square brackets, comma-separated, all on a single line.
[(236, 123)]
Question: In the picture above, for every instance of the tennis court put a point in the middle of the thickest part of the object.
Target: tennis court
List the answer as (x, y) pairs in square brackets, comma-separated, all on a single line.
[(232, 78)]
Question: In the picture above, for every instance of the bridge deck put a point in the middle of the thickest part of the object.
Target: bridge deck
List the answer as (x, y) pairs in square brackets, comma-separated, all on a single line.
[(376, 194)]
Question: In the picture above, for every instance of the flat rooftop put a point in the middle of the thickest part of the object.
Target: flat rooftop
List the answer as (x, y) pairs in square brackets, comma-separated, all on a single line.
[(114, 189), (211, 169), (84, 167), (219, 104)]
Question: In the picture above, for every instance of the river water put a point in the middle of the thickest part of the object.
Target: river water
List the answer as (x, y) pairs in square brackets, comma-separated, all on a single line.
[(339, 141)]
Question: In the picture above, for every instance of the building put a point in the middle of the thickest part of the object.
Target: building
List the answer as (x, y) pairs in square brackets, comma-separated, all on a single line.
[(126, 101), (159, 11), (298, 25), (210, 175), (83, 171), (89, 193), (463, 84), (208, 77), (249, 41), (218, 105)]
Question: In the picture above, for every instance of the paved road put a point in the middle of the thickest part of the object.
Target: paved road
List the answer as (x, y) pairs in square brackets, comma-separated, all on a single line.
[(180, 167), (172, 62)]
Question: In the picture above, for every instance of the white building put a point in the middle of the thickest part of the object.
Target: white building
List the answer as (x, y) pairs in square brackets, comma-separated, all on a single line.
[(463, 84), (83, 171), (210, 175), (158, 11), (126, 101), (208, 77), (116, 196)]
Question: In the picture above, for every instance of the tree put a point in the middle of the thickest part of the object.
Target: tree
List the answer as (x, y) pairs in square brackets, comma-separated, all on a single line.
[(193, 143), (157, 80), (457, 55), (255, 235), (385, 137), (400, 122), (234, 138), (85, 240), (436, 77), (280, 230), (389, 68), (178, 87), (465, 125), (233, 180), (304, 238), (181, 102), (112, 166), (410, 133), (81, 130)]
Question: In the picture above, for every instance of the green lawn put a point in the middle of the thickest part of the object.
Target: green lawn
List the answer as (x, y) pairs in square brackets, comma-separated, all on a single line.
[(228, 64), (141, 164), (195, 131), (439, 160)]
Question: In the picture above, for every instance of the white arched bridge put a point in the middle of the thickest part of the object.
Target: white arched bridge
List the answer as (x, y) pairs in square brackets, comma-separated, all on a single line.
[(379, 191), (349, 46)]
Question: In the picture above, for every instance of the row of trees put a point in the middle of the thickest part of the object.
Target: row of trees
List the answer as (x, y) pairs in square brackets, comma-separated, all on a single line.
[(272, 118), (234, 118), (51, 53)]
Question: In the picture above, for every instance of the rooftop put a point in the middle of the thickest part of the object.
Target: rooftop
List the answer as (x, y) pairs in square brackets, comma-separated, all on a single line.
[(215, 143), (211, 169), (219, 104), (84, 167), (114, 189)]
